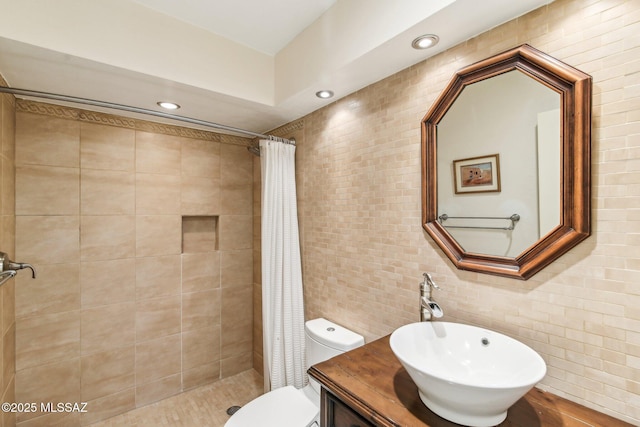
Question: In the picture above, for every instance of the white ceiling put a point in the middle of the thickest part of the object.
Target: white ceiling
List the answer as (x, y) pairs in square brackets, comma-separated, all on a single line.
[(250, 64), (263, 25)]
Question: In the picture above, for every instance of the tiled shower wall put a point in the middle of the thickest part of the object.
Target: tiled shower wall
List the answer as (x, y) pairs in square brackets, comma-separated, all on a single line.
[(364, 250), (142, 237), (7, 244)]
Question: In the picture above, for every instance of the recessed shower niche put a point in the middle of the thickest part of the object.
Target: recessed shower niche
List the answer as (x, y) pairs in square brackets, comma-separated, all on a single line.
[(199, 234)]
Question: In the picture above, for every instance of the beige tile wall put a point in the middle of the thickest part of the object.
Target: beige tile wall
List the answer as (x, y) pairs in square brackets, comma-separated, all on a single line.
[(141, 237), (7, 244), (364, 250)]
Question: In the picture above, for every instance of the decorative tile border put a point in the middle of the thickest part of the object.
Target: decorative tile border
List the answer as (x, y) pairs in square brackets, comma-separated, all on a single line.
[(106, 119), (11, 98), (58, 111), (124, 122), (285, 131)]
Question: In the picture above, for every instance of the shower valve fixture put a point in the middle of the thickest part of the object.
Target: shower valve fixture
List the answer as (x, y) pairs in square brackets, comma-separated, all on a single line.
[(9, 268)]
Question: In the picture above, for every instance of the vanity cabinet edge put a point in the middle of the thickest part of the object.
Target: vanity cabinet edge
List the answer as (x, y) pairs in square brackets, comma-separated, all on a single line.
[(333, 395)]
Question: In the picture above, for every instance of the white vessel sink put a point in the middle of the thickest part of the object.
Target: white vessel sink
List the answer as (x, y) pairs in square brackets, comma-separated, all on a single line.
[(466, 374)]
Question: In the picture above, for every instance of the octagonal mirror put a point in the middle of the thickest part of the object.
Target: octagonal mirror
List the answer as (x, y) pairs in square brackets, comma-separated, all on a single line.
[(506, 163)]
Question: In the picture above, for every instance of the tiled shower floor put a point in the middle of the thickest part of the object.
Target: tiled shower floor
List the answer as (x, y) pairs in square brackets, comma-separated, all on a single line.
[(204, 406)]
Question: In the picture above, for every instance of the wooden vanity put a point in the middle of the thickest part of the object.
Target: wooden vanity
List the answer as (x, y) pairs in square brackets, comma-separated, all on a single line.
[(369, 387)]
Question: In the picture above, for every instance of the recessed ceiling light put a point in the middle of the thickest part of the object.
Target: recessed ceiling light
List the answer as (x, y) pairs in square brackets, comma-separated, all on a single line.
[(168, 105), (324, 94), (425, 42)]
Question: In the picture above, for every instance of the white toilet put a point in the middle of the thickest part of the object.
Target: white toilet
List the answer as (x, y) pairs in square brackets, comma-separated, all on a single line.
[(291, 407)]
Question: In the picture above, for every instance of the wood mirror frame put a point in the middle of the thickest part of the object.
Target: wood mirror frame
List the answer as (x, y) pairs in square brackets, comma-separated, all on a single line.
[(574, 88)]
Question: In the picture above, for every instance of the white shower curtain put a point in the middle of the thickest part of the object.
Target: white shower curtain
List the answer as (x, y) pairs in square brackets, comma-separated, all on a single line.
[(282, 299)]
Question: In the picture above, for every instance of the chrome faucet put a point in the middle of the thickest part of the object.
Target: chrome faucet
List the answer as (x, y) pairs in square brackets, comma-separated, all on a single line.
[(428, 307), (9, 268)]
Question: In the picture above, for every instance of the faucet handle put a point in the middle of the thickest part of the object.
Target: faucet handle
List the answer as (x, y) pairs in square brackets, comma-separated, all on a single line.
[(428, 281), (7, 265)]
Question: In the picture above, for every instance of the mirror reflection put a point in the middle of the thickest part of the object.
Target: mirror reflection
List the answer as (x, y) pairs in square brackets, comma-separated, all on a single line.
[(499, 165), (506, 159)]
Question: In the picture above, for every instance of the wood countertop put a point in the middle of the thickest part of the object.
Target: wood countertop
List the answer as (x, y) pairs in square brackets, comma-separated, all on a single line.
[(371, 380)]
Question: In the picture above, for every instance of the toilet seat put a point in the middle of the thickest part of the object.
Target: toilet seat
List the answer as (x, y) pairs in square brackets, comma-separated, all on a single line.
[(286, 406)]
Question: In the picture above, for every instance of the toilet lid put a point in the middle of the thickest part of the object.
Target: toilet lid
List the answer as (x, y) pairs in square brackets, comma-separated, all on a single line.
[(285, 406)]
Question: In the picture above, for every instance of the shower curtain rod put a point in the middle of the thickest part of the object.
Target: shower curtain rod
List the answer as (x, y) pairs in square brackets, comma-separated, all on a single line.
[(111, 105)]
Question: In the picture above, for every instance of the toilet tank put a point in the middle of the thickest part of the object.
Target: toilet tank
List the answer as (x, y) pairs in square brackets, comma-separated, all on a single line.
[(325, 339)]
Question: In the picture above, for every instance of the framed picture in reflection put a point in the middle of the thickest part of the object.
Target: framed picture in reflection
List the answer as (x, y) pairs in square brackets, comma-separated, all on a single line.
[(477, 174)]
